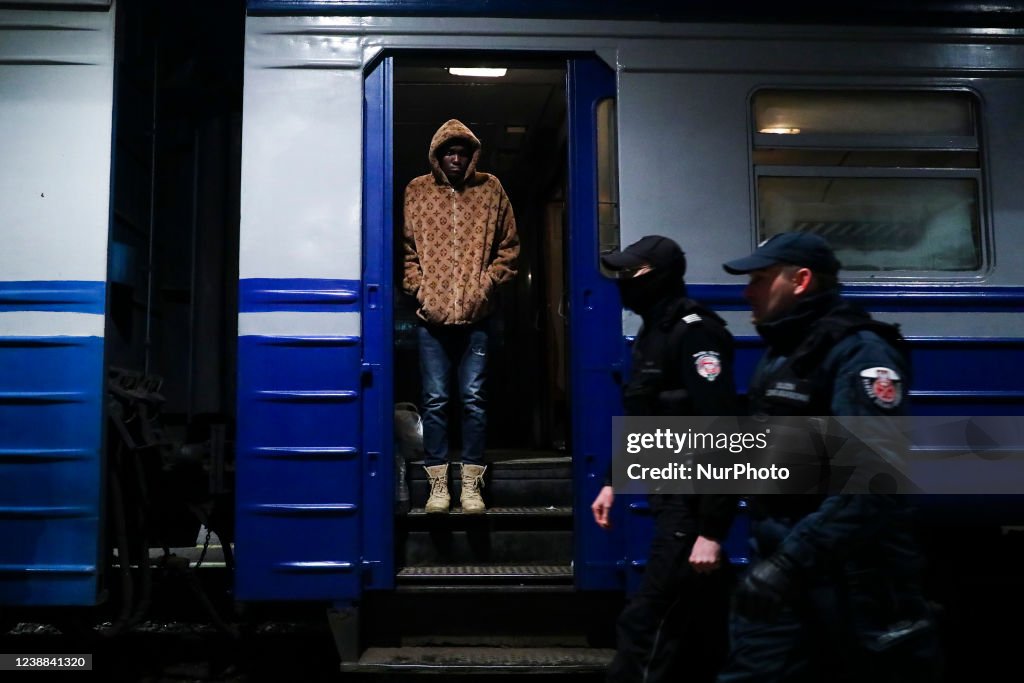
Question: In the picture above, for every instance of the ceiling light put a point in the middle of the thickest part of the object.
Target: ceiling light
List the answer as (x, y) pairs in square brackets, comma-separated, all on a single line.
[(477, 72), (780, 131)]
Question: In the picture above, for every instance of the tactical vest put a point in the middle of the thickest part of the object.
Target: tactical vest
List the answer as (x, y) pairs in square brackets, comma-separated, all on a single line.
[(655, 386), (800, 384)]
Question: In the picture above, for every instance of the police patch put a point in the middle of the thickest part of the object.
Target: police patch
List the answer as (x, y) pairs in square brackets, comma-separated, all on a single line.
[(708, 365), (882, 387)]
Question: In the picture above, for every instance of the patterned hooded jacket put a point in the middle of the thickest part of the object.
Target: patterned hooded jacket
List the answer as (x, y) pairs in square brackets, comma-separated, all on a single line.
[(460, 241)]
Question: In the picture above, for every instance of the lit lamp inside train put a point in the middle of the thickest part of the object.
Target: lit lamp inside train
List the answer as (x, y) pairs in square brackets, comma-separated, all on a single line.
[(477, 72)]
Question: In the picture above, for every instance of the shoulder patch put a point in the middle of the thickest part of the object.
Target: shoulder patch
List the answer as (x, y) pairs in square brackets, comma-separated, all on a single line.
[(708, 364), (692, 318), (882, 386)]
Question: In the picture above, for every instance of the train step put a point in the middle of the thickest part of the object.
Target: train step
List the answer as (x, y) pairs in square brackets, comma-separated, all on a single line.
[(529, 519), (490, 574), (533, 611), (505, 511), (481, 660)]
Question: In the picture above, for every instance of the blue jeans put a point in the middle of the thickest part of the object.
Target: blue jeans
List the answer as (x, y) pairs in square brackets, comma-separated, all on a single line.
[(444, 349)]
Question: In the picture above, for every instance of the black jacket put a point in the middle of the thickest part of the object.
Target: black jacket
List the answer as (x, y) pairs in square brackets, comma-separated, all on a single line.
[(682, 364), (829, 358)]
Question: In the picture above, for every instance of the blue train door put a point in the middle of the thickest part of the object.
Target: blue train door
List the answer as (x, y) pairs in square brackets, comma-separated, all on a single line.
[(378, 320), (595, 324), (599, 358)]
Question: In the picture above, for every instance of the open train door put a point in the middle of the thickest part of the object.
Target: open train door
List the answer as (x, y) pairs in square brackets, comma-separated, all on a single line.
[(599, 359), (595, 324), (313, 480)]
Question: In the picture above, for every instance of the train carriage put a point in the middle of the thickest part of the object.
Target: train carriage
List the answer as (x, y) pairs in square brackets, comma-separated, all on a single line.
[(247, 253)]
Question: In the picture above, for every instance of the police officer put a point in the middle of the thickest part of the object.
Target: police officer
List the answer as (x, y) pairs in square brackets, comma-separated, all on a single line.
[(836, 594), (682, 364)]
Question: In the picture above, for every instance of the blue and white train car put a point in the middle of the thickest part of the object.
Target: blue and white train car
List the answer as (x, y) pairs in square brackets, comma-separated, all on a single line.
[(892, 133), (56, 112)]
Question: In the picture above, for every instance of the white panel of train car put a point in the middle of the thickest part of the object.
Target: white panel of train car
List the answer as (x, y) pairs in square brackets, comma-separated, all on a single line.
[(56, 94), (683, 167), (301, 203)]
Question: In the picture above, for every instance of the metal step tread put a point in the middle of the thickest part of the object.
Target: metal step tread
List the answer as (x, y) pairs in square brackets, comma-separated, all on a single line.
[(471, 660), (487, 571), (507, 510)]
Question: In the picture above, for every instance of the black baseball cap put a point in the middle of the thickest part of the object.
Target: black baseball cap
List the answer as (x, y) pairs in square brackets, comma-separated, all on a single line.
[(660, 253), (797, 248)]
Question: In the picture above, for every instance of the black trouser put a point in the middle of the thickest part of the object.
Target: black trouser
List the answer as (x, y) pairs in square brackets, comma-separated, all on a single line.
[(675, 627), (837, 634)]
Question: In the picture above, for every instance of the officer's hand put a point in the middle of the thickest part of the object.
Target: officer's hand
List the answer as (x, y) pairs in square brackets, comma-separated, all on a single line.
[(706, 555), (766, 588), (602, 507)]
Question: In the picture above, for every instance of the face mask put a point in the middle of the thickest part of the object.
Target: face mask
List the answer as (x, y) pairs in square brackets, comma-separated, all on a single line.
[(640, 293)]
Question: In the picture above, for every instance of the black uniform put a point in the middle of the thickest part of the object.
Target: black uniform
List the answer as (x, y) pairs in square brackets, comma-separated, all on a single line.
[(854, 609), (682, 364)]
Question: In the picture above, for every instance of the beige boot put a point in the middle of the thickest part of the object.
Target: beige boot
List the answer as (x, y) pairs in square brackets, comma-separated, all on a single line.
[(439, 498), (472, 483)]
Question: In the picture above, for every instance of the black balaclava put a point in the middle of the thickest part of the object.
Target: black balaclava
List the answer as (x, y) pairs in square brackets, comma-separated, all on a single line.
[(641, 294)]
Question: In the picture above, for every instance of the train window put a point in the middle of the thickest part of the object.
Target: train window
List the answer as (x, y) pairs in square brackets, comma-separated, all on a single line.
[(892, 180), (879, 224), (607, 176), (781, 112)]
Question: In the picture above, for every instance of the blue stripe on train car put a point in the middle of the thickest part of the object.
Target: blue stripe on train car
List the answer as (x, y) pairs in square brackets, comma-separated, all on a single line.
[(299, 446), (950, 376), (960, 376), (879, 298), (306, 295), (51, 386), (69, 296)]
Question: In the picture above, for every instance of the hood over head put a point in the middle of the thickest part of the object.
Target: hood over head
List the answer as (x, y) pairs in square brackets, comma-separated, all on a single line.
[(450, 130)]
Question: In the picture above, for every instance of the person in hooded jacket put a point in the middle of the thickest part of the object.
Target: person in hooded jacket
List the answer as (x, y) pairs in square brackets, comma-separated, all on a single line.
[(674, 627), (460, 244)]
